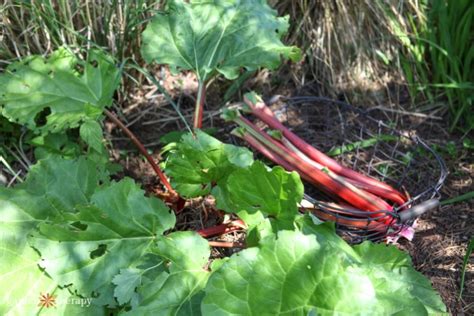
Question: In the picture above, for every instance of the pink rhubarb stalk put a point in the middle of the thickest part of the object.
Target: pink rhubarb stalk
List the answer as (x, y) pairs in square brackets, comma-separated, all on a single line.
[(278, 159), (349, 193), (260, 110), (144, 152), (201, 97), (337, 208), (364, 224), (388, 194)]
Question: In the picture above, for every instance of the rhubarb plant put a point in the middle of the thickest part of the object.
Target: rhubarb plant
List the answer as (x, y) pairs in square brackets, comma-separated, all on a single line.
[(53, 95), (216, 37), (73, 231), (112, 244), (222, 37)]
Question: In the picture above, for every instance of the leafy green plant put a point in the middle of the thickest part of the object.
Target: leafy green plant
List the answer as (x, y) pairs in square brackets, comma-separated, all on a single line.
[(73, 232), (211, 38), (62, 92), (357, 280), (113, 244), (218, 38), (201, 161), (85, 239)]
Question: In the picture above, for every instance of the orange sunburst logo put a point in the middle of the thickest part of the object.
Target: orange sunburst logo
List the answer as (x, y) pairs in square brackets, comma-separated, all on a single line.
[(47, 300)]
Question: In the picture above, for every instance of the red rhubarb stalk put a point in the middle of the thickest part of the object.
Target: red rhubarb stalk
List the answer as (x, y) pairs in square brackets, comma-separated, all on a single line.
[(264, 113), (337, 208), (366, 224), (201, 97), (379, 191), (279, 160), (144, 152), (317, 176), (266, 152), (343, 208), (388, 194)]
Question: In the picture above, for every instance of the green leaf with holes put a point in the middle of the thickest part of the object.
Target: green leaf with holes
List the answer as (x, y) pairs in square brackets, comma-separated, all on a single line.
[(59, 92), (90, 247), (21, 211), (200, 161), (221, 36)]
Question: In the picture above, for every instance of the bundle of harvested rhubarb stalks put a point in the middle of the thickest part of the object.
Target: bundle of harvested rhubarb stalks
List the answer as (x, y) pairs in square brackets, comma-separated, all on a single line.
[(359, 201)]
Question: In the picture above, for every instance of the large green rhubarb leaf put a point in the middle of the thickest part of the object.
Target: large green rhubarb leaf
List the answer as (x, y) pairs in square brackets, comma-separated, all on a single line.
[(266, 199), (59, 92), (53, 186), (89, 230), (178, 289), (217, 36), (22, 280), (201, 161), (112, 233), (299, 274)]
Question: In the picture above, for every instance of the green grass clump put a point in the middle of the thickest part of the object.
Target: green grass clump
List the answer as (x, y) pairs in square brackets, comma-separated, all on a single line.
[(438, 56), (39, 27)]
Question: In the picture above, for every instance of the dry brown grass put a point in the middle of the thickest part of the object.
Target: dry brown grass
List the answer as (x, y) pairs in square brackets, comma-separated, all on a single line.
[(350, 46)]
